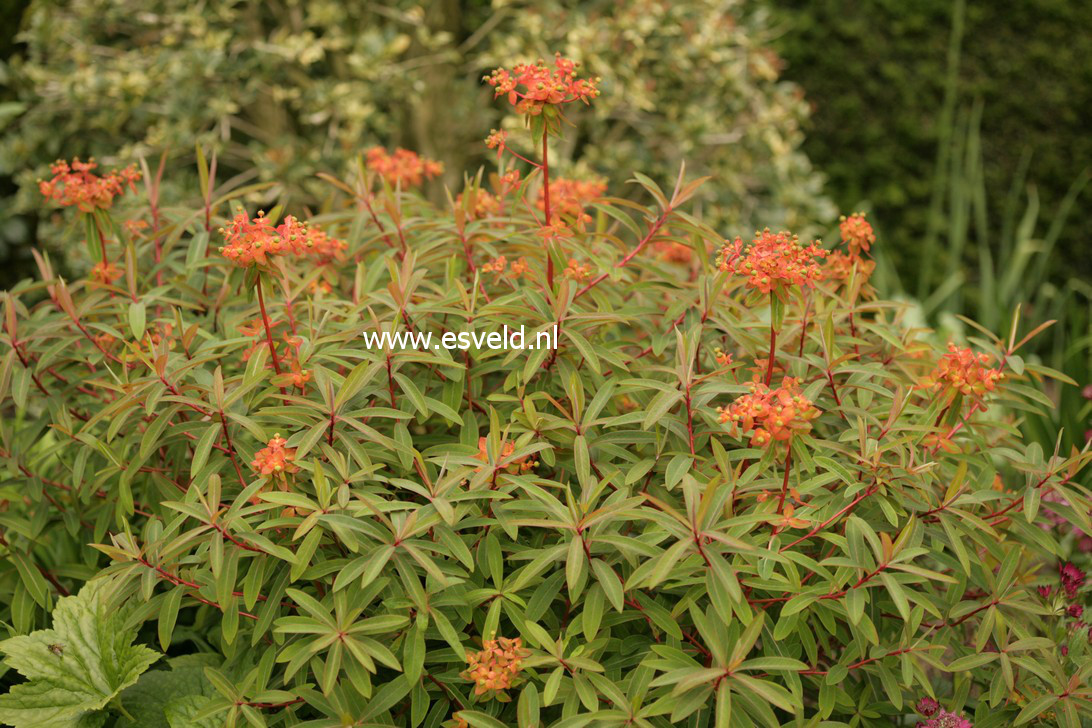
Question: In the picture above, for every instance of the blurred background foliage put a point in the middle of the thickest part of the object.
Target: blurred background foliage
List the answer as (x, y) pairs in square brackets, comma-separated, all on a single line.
[(283, 89), (960, 125), (876, 73)]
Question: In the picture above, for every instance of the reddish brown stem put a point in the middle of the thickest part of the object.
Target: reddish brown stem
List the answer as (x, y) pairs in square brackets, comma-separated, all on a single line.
[(546, 201), (773, 351), (268, 330), (652, 230)]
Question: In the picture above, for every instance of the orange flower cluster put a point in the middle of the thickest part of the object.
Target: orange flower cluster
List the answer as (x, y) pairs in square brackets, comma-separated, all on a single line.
[(482, 204), (770, 414), (404, 167), (275, 458), (772, 261), (250, 242), (158, 339), (673, 251), (496, 140), (498, 265), (569, 196), (75, 185), (105, 273), (135, 228), (578, 271), (296, 374), (542, 85), (839, 267), (496, 667), (857, 233), (507, 448), (858, 236), (963, 371)]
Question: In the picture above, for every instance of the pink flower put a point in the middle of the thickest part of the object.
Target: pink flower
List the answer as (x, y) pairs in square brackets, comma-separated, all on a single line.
[(927, 707), (1072, 579), (1044, 591), (1075, 611), (944, 719)]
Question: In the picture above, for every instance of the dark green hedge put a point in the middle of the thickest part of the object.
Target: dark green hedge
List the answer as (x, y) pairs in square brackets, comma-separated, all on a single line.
[(874, 72)]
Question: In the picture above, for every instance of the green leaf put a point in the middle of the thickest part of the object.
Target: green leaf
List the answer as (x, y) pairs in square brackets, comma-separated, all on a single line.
[(970, 662), (78, 666), (137, 316), (168, 613), (1035, 708), (479, 719), (150, 699)]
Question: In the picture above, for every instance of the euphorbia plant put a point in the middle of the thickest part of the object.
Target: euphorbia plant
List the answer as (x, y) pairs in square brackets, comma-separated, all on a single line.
[(568, 535), (540, 93)]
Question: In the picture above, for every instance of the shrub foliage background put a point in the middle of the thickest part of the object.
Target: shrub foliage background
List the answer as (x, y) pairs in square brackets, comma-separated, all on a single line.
[(319, 533)]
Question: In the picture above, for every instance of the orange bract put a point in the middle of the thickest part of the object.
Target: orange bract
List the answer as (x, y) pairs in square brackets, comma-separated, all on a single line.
[(497, 666), (770, 414), (275, 458), (529, 87), (404, 167), (105, 272), (75, 185), (578, 271), (772, 261), (857, 233), (568, 197), (963, 371), (839, 267), (255, 242), (507, 448)]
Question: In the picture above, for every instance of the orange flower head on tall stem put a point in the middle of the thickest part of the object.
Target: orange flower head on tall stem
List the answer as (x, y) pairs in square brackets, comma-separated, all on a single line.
[(76, 185), (857, 233), (529, 87), (839, 267), (773, 262)]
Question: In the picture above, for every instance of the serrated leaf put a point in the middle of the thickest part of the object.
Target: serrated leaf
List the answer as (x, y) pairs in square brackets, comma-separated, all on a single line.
[(78, 666)]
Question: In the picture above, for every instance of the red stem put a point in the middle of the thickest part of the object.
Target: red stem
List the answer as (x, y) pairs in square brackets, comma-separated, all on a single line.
[(652, 230), (546, 199), (268, 331), (773, 350)]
